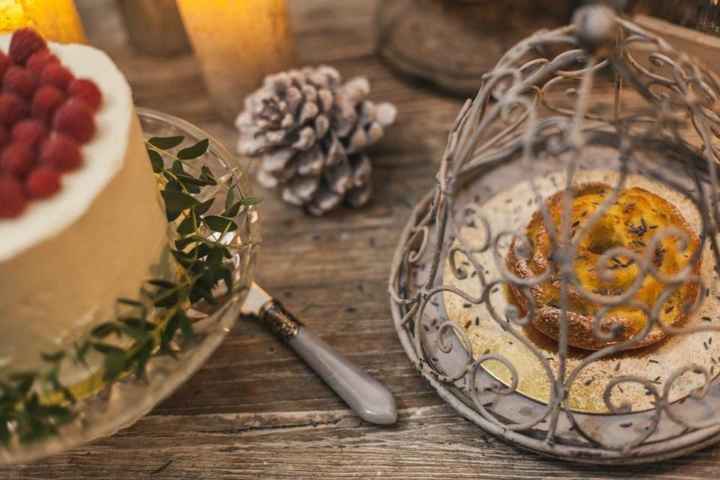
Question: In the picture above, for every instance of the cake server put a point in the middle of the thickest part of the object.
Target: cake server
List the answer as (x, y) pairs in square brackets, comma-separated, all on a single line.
[(365, 395)]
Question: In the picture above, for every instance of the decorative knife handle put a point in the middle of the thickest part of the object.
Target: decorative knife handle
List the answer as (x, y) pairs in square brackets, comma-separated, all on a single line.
[(369, 398)]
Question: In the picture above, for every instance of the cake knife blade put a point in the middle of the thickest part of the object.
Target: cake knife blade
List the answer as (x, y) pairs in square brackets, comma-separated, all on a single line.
[(365, 395)]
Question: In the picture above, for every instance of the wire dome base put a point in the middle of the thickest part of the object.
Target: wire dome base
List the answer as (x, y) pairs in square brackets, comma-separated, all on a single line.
[(598, 102)]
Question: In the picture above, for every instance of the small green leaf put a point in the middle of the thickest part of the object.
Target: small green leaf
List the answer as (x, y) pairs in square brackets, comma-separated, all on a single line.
[(230, 198), (142, 357), (155, 160), (183, 258), (165, 294), (194, 151), (53, 357), (207, 176), (104, 329), (81, 352), (226, 275), (115, 363), (169, 332), (176, 203), (186, 327), (233, 210), (172, 185), (138, 323), (106, 348), (164, 143), (177, 167), (204, 207), (161, 283), (187, 226), (24, 381), (131, 307), (4, 433), (250, 201), (219, 224)]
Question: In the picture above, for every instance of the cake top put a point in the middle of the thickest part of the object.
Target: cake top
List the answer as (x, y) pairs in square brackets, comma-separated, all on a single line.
[(65, 113)]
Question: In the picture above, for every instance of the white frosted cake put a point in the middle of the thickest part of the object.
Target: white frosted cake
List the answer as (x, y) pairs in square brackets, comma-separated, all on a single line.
[(85, 232)]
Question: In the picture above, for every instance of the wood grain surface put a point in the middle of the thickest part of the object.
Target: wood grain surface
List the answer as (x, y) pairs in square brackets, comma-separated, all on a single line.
[(254, 411)]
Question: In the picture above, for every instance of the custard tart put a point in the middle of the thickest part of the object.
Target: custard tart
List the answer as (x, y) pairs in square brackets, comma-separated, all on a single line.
[(630, 222)]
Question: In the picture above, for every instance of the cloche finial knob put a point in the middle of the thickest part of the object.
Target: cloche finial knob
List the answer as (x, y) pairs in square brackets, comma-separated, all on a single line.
[(595, 26)]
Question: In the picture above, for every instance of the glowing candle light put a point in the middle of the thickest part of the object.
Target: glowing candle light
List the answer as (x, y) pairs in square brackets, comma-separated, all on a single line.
[(237, 43), (56, 20)]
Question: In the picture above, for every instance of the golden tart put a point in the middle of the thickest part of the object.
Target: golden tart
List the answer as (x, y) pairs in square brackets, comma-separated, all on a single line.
[(631, 222)]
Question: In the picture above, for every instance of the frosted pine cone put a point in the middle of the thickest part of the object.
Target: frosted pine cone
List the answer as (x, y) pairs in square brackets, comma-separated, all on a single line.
[(310, 132)]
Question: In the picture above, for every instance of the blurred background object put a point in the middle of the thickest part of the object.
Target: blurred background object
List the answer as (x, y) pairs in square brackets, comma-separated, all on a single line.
[(154, 26), (237, 44), (452, 43), (700, 15), (56, 20)]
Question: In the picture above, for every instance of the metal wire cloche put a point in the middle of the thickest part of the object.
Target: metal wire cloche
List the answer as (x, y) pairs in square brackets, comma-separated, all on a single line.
[(600, 101)]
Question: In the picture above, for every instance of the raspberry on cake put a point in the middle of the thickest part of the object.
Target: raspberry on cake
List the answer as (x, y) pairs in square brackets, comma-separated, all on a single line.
[(12, 109), (61, 153), (87, 91), (47, 99), (37, 84), (56, 75), (75, 119), (30, 132), (19, 80), (39, 60), (12, 196), (24, 43), (78, 198)]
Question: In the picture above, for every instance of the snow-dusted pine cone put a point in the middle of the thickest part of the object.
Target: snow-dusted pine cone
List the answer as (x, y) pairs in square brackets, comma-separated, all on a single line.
[(310, 131)]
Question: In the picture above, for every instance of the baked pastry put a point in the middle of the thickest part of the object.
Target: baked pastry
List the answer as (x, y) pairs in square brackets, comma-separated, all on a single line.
[(86, 231), (630, 222)]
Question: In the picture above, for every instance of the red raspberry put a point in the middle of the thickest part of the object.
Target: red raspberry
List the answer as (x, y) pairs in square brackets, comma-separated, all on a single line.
[(5, 63), (57, 75), (47, 99), (19, 80), (29, 132), (12, 197), (87, 91), (75, 119), (17, 159), (24, 43), (39, 60), (4, 135), (61, 153), (12, 108), (43, 182)]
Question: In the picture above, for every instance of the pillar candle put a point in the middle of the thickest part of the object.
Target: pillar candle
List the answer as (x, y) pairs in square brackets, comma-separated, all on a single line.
[(56, 20), (237, 43)]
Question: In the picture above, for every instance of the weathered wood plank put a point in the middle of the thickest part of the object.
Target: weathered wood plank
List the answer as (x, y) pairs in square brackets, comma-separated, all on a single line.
[(253, 411), (428, 442)]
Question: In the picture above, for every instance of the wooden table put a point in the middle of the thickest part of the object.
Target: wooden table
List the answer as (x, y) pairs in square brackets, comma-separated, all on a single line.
[(254, 411)]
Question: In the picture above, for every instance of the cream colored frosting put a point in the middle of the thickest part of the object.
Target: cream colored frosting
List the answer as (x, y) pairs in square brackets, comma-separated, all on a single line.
[(66, 260)]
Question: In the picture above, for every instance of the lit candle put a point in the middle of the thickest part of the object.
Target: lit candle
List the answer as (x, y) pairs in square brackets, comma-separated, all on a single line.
[(237, 43), (56, 20)]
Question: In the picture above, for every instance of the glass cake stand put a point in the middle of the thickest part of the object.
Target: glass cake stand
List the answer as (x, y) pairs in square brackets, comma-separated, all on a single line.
[(120, 404)]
